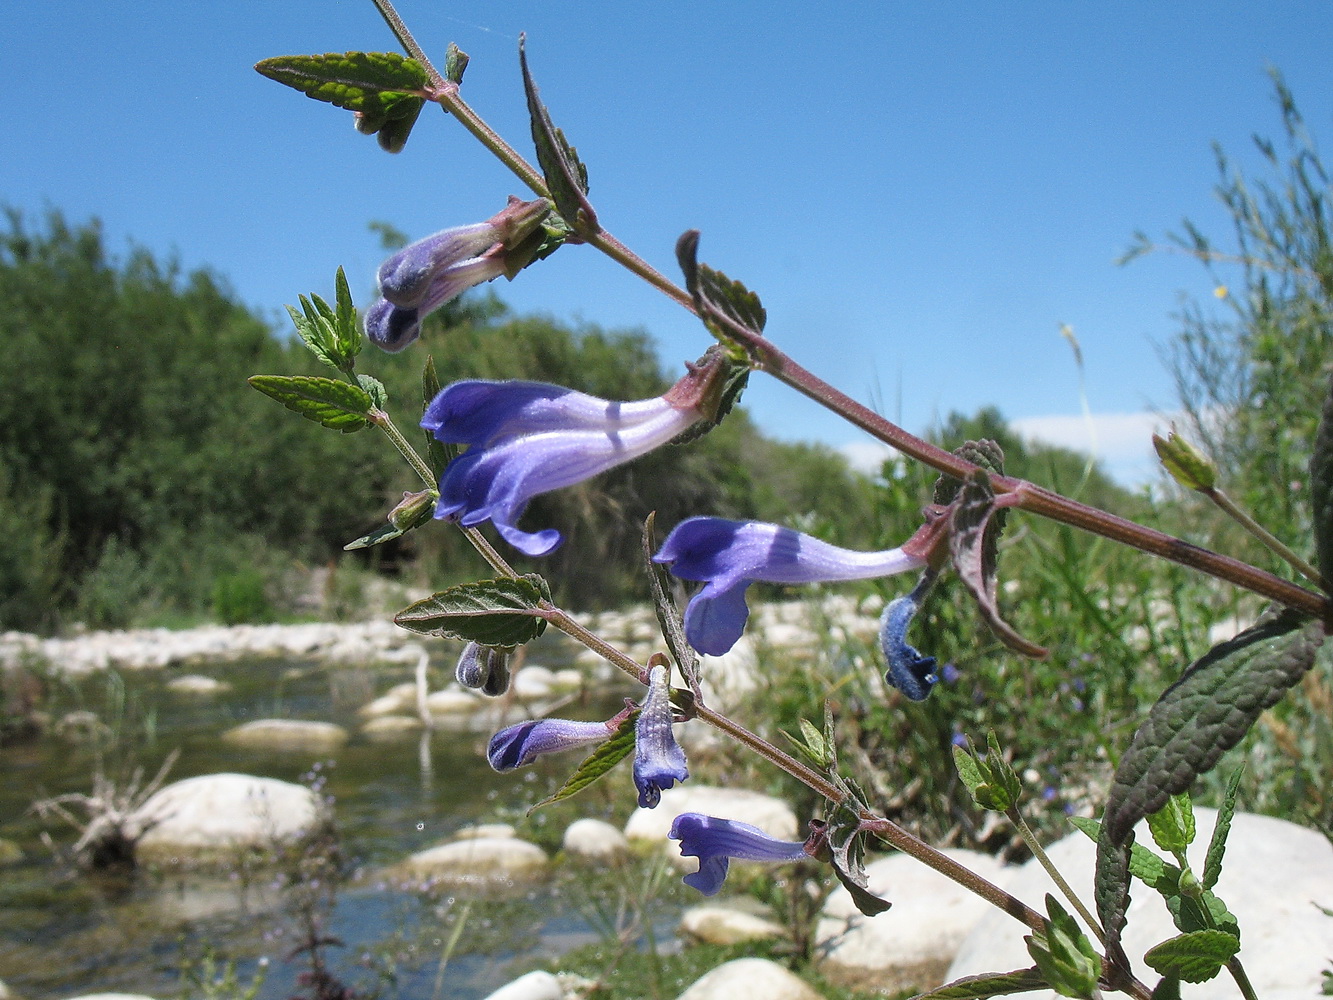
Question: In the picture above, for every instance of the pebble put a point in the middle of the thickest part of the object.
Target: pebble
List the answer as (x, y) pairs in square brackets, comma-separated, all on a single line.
[(197, 685), (722, 924), (293, 735), (750, 979), (480, 863)]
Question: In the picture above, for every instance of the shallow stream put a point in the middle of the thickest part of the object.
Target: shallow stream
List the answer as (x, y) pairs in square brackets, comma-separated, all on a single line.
[(63, 934)]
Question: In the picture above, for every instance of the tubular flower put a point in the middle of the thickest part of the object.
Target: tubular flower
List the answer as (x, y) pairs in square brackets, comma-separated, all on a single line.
[(659, 762), (422, 277), (910, 672), (483, 668), (716, 841), (730, 555), (523, 743), (527, 438)]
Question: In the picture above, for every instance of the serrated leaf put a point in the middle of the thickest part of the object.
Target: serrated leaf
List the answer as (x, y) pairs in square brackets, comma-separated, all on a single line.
[(969, 769), (976, 519), (1155, 872), (347, 329), (1321, 489), (1217, 844), (1167, 988), (985, 453), (599, 762), (339, 405), (737, 378), (1063, 953), (1206, 712), (721, 302), (384, 89), (991, 984), (384, 533), (566, 177), (1206, 912), (1110, 890), (375, 389), (499, 612), (1195, 957), (811, 744), (312, 334), (1172, 826)]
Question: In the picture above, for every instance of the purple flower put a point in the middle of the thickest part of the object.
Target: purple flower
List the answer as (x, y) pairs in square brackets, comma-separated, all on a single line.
[(527, 438), (483, 668), (730, 555), (422, 277), (716, 841), (659, 762), (910, 672), (523, 743)]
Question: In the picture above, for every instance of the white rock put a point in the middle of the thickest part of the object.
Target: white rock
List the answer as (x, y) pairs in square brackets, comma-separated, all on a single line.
[(750, 979), (295, 735), (219, 813), (1272, 874), (910, 946), (452, 701), (389, 727), (771, 815), (197, 684), (501, 830), (715, 923), (534, 986), (385, 704), (481, 862), (532, 684), (568, 679), (595, 840)]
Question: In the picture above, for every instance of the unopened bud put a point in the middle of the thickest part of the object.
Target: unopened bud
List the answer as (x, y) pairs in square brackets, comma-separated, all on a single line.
[(1187, 465), (414, 510)]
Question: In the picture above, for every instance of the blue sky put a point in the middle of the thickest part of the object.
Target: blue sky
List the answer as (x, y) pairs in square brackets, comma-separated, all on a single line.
[(921, 193)]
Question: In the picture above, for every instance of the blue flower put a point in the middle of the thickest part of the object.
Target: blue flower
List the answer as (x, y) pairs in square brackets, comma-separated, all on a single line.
[(483, 668), (659, 762), (523, 743), (730, 555), (422, 277), (910, 672), (527, 438), (716, 841)]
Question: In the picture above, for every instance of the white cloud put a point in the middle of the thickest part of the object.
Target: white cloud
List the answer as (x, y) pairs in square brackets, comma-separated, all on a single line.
[(1122, 441)]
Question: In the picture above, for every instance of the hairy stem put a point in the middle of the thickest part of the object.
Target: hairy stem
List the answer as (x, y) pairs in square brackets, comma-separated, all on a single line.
[(1229, 507), (1040, 854)]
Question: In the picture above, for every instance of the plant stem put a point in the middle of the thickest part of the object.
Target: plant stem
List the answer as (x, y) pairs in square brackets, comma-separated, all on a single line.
[(385, 423), (1242, 979), (1040, 854), (565, 623), (1265, 536)]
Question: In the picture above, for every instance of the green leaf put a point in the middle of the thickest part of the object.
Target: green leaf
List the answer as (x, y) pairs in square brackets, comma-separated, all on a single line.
[(1201, 910), (1064, 954), (1206, 712), (1172, 826), (976, 519), (385, 89), (499, 612), (865, 900), (1217, 846), (1195, 957), (1321, 488), (992, 984), (339, 405), (1167, 988), (599, 762), (811, 744), (720, 301), (1187, 465), (1110, 890), (566, 177), (384, 533), (347, 328), (1155, 872), (990, 780), (455, 63), (438, 454), (375, 389)]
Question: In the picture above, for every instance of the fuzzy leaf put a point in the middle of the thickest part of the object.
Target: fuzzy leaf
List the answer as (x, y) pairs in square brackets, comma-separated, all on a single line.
[(1167, 988), (599, 762), (339, 405), (346, 327), (566, 177), (1064, 954), (991, 984), (1206, 912), (1195, 957), (1110, 889), (455, 63), (384, 89), (1217, 846), (1206, 712), (1187, 465), (976, 520), (1172, 826), (1321, 488), (717, 297), (499, 612), (811, 743), (375, 389)]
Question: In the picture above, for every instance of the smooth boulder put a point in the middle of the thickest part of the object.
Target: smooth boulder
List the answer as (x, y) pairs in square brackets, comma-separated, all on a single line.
[(289, 735), (750, 979), (213, 816), (478, 863)]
